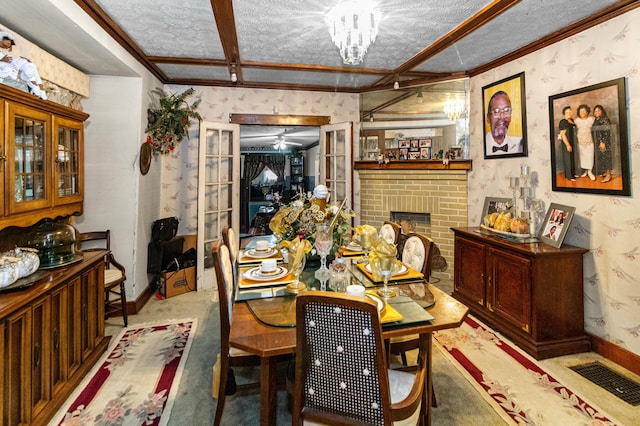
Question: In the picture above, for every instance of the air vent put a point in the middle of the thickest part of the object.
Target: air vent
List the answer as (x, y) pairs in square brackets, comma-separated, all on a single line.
[(620, 386)]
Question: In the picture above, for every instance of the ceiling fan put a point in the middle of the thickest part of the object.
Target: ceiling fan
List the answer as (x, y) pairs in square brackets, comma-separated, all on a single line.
[(278, 137)]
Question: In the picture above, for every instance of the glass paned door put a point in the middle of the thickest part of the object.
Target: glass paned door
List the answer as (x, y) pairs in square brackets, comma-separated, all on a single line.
[(68, 161), (335, 161), (26, 185), (218, 191)]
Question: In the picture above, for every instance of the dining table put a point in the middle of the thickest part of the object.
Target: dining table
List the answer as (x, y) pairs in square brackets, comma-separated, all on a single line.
[(264, 325)]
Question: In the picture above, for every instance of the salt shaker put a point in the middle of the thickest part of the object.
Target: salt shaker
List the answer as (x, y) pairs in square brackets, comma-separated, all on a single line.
[(339, 275)]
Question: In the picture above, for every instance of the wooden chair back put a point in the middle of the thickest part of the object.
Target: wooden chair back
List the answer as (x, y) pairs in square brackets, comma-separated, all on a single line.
[(232, 243), (390, 231), (417, 253)]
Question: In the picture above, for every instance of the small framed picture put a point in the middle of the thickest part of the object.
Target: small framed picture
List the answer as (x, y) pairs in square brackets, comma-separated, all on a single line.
[(425, 143), (425, 153), (414, 143), (494, 205), (403, 143), (404, 154), (556, 224), (414, 155)]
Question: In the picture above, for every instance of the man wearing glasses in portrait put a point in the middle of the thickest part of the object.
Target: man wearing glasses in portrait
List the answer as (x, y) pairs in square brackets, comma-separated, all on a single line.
[(497, 141)]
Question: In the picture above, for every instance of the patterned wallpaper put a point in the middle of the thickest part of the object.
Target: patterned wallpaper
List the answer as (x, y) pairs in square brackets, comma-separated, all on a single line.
[(179, 170), (609, 226)]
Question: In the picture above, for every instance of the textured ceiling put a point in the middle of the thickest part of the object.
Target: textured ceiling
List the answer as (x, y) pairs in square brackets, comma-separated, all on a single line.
[(285, 44)]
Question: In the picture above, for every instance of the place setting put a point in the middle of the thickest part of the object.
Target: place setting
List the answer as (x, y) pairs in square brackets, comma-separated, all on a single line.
[(260, 252), (269, 273)]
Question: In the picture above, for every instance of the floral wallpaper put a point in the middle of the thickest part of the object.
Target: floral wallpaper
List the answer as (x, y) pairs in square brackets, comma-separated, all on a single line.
[(180, 174), (609, 226)]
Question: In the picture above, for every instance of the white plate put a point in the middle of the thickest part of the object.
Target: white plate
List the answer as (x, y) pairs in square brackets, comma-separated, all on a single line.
[(353, 247), (261, 254), (257, 275), (378, 301), (403, 270), (508, 234)]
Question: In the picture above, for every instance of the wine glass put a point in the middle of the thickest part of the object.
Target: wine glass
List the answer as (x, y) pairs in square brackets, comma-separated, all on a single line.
[(296, 266), (385, 263), (366, 241), (324, 241)]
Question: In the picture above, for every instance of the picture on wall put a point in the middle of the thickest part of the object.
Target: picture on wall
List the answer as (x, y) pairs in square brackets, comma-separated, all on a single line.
[(589, 142), (505, 126)]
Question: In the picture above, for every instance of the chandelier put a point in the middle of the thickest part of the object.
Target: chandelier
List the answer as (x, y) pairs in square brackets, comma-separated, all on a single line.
[(454, 109), (353, 26)]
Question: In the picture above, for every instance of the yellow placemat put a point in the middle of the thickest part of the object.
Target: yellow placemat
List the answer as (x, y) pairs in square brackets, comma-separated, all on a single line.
[(410, 274), (249, 283), (389, 314)]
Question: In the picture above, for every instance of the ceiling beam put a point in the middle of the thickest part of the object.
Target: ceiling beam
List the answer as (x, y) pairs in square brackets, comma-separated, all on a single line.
[(226, 23)]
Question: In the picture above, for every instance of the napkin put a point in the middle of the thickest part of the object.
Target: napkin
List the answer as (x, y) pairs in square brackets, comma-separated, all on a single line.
[(383, 257), (298, 249), (366, 233)]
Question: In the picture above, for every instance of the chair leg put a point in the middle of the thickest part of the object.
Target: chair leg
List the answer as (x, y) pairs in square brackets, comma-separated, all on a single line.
[(434, 402), (123, 303), (222, 395)]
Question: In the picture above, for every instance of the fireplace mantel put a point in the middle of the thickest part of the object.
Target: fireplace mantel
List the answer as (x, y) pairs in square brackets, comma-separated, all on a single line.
[(414, 165)]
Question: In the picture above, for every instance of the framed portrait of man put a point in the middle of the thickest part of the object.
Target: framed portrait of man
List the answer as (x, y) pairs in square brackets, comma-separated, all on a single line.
[(505, 128)]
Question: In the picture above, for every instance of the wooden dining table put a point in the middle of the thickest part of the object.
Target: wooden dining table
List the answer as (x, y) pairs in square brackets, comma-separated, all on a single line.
[(268, 342)]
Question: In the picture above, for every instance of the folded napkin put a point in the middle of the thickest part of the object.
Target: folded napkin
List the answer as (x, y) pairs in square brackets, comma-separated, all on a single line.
[(366, 234), (383, 257), (298, 249)]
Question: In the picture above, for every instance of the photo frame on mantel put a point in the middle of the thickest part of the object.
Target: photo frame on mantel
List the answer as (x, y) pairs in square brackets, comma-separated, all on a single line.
[(556, 224), (598, 162)]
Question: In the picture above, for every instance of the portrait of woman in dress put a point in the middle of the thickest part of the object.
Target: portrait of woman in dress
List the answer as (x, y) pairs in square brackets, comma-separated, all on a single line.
[(602, 138), (567, 135), (584, 122)]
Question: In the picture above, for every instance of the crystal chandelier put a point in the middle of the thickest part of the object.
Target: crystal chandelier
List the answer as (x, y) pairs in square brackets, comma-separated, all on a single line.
[(353, 26), (454, 109)]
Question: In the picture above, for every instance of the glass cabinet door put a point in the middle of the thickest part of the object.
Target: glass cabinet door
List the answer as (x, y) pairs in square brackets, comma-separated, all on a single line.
[(26, 180), (68, 162)]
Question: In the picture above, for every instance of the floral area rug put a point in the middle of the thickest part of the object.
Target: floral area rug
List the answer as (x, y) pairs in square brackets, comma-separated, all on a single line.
[(515, 385), (135, 381)]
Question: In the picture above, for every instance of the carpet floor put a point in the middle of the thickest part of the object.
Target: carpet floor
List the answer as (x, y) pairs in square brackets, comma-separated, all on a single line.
[(459, 403)]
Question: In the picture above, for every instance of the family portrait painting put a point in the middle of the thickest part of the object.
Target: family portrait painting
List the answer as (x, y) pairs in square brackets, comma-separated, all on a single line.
[(589, 145)]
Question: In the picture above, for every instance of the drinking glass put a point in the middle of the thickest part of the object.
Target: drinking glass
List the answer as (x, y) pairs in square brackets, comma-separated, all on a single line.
[(296, 269), (366, 241), (324, 241), (385, 265)]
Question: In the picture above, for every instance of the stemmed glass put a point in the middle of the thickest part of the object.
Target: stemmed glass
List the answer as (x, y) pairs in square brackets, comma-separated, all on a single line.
[(366, 241), (296, 266), (324, 241), (385, 263)]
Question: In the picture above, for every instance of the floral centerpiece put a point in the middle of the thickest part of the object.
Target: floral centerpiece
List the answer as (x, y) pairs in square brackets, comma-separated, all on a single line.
[(299, 219), (170, 123)]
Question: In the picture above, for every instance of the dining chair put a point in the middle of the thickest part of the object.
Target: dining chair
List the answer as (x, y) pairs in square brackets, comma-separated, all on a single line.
[(390, 231), (115, 296), (223, 376), (341, 366), (230, 240)]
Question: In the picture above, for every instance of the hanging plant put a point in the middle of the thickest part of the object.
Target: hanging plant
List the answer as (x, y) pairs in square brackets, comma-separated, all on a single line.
[(169, 124)]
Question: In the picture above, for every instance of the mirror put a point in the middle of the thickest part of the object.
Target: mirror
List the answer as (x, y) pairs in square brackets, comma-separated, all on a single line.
[(431, 115)]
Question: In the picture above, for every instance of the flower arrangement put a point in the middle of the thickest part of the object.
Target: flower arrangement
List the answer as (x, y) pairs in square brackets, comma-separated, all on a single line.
[(299, 219), (169, 124)]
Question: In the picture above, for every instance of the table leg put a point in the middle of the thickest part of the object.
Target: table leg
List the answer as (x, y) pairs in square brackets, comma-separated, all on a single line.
[(428, 382), (268, 391)]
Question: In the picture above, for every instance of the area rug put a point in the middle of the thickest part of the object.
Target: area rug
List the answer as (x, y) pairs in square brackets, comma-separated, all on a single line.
[(135, 381), (515, 385)]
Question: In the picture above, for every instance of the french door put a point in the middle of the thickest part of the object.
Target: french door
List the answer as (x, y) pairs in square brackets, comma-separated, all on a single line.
[(335, 161), (218, 191)]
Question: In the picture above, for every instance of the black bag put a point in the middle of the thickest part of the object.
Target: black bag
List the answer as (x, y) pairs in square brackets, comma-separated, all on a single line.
[(164, 229)]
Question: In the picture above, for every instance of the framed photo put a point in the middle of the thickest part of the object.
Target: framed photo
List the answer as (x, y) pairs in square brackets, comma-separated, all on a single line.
[(403, 143), (556, 224), (494, 205), (425, 143), (404, 154), (414, 143), (593, 122), (414, 155), (425, 153), (505, 128), (392, 154)]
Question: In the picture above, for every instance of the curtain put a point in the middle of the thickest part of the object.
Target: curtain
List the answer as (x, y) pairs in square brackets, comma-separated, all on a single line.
[(253, 166), (277, 166)]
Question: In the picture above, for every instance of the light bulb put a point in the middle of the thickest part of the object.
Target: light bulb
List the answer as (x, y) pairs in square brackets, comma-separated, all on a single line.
[(396, 85), (234, 77)]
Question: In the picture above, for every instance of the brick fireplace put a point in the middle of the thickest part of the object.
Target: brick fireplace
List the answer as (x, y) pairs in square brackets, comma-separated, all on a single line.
[(440, 193)]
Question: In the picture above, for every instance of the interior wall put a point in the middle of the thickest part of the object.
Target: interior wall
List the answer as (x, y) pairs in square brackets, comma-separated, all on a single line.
[(180, 175), (609, 226)]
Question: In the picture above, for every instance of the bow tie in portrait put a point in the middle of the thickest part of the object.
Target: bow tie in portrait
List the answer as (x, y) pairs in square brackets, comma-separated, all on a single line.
[(500, 148)]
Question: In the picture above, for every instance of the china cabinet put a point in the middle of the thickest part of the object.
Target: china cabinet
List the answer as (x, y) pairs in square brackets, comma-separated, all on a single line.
[(532, 292), (297, 174), (54, 333), (42, 159)]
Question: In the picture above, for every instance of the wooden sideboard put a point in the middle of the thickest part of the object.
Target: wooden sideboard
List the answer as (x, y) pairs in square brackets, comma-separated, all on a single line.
[(529, 292), (52, 333)]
